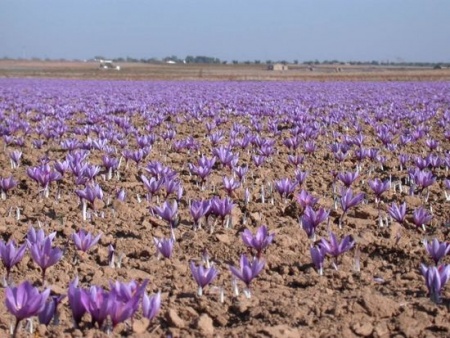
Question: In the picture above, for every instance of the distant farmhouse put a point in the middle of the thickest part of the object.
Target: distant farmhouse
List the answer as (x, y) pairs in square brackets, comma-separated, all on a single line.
[(277, 66)]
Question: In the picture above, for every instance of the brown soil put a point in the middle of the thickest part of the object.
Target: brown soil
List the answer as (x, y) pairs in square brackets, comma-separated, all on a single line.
[(387, 298)]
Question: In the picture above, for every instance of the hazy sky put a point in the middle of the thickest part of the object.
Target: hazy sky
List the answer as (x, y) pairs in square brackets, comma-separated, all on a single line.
[(394, 30)]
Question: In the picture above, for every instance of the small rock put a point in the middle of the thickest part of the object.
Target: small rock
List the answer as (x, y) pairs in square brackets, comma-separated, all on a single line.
[(378, 305), (223, 238), (281, 331), (141, 325), (175, 320), (205, 324), (363, 330), (381, 329)]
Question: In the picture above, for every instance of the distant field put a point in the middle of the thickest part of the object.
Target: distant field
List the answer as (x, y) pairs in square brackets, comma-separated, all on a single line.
[(140, 71)]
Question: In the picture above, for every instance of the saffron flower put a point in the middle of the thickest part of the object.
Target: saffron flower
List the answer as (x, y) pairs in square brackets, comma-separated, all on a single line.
[(285, 187), (203, 276), (50, 309), (199, 209), (421, 217), (85, 241), (436, 249), (247, 271), (44, 255), (348, 178), (164, 246), (95, 301), (6, 184), (335, 248), (11, 255), (318, 254), (435, 279), (311, 220), (398, 212), (24, 301), (168, 213), (151, 305), (305, 199), (260, 241), (75, 304), (348, 200), (379, 187)]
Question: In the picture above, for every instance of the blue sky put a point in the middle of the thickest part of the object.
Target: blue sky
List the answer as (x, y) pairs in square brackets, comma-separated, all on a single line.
[(346, 30)]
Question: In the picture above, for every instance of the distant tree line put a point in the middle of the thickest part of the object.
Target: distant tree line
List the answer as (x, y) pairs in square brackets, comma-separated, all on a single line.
[(200, 59)]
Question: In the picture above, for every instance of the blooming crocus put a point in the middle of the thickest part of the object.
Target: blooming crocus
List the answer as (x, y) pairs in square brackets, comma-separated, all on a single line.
[(379, 187), (15, 157), (398, 212), (230, 185), (221, 207), (335, 248), (84, 241), (199, 209), (305, 199), (435, 279), (151, 305), (95, 301), (168, 213), (437, 250), (285, 187), (348, 200), (247, 271), (89, 194), (24, 301), (43, 175), (6, 184), (44, 255), (203, 276), (348, 178), (318, 254), (50, 310), (164, 246), (11, 255), (260, 241), (421, 217), (38, 237), (311, 220), (75, 304)]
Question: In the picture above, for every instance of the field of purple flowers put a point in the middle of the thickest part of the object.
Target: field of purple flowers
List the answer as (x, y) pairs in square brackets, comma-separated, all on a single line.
[(258, 209)]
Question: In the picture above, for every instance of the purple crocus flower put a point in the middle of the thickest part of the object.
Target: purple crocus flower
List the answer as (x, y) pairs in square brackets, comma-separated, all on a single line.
[(38, 237), (318, 254), (247, 270), (421, 217), (84, 241), (199, 209), (203, 276), (335, 248), (95, 301), (44, 255), (50, 309), (221, 207), (24, 301), (285, 187), (151, 305), (168, 212), (164, 246), (311, 220), (305, 199), (435, 279), (398, 212), (241, 172), (260, 241), (379, 187), (43, 175), (230, 185), (348, 200), (75, 304), (348, 178), (11, 255), (437, 250), (15, 157), (6, 184)]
